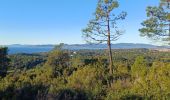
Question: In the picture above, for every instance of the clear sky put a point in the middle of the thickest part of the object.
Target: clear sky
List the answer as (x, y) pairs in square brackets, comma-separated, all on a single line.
[(61, 21)]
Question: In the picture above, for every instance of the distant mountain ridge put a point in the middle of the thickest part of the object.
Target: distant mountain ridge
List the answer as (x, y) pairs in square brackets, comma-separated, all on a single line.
[(17, 48), (95, 46)]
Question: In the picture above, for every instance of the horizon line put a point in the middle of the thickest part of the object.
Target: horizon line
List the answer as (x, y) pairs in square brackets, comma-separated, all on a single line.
[(81, 44)]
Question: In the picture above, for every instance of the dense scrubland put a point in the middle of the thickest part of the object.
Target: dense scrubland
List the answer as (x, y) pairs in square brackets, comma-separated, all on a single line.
[(129, 74), (83, 75)]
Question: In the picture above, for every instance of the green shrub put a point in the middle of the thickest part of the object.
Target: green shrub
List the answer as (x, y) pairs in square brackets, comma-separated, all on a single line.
[(89, 79)]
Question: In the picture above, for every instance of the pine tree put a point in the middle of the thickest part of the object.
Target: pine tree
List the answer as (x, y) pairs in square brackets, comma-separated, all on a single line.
[(104, 28), (157, 26)]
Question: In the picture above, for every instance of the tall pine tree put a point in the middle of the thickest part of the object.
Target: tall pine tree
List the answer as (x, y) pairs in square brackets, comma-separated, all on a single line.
[(104, 28)]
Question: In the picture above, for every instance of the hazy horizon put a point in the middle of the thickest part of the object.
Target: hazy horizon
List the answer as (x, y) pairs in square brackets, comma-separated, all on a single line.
[(83, 44)]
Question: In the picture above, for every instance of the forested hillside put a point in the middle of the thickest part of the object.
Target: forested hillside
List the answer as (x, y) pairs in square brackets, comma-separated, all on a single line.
[(82, 75), (98, 70)]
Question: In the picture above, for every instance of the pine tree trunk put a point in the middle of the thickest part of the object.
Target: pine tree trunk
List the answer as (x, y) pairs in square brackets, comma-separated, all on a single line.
[(169, 28), (110, 58), (169, 31), (109, 48)]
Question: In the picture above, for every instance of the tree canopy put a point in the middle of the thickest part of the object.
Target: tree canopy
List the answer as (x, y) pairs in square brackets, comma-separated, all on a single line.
[(157, 26)]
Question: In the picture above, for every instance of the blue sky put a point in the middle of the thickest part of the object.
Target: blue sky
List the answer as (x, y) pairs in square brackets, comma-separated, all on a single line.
[(61, 21)]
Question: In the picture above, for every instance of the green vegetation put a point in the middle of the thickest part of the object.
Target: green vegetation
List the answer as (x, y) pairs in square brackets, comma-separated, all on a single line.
[(26, 61), (104, 28), (66, 75), (157, 26), (139, 74), (4, 61)]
